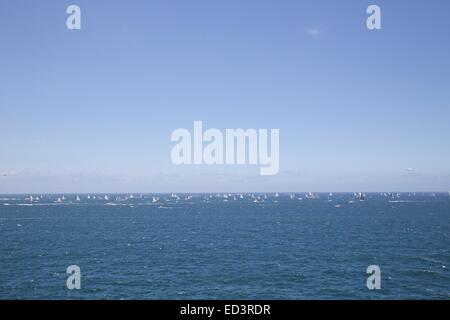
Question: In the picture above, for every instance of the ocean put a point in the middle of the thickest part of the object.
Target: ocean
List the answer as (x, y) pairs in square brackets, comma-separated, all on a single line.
[(225, 246)]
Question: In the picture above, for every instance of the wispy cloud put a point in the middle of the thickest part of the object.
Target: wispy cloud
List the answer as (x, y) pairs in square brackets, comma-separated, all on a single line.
[(312, 32)]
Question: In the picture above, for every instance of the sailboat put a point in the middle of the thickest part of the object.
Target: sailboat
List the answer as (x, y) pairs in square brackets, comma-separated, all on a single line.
[(310, 195)]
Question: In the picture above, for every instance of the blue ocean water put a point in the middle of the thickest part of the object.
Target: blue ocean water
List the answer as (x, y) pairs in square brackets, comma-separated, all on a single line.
[(202, 246)]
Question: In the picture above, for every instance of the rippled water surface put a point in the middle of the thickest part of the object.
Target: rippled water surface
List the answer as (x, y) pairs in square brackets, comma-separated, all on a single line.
[(225, 246)]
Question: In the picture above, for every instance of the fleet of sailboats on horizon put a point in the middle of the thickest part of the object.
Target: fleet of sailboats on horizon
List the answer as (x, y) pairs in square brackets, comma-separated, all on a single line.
[(224, 197), (259, 198)]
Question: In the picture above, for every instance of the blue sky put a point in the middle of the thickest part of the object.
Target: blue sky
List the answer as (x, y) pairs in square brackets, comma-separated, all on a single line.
[(92, 110)]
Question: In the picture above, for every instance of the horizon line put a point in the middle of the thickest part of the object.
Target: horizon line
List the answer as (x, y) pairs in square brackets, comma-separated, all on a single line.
[(218, 192)]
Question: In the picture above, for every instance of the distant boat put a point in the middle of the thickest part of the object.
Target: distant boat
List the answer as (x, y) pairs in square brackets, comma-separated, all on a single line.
[(310, 195), (78, 198), (106, 198)]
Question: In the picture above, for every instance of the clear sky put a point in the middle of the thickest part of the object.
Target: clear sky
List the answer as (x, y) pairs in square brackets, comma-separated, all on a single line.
[(92, 110)]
